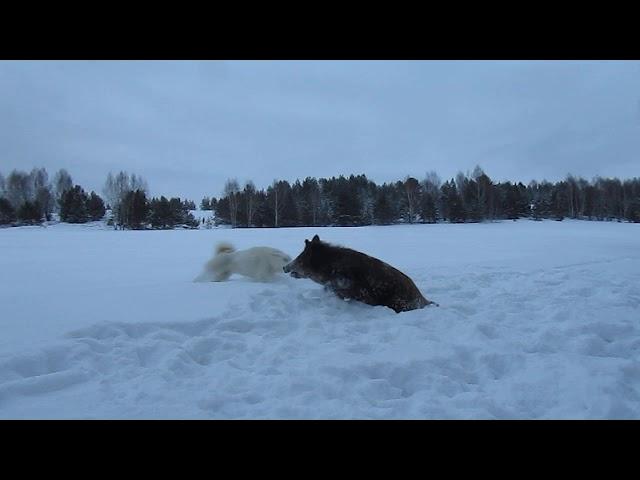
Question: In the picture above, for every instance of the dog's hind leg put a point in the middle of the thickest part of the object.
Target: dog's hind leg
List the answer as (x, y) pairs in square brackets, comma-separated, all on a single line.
[(221, 276), (201, 278)]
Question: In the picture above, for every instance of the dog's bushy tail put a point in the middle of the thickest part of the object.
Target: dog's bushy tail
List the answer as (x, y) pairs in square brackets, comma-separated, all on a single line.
[(224, 247)]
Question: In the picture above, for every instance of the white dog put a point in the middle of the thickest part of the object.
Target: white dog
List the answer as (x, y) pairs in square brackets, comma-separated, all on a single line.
[(259, 263)]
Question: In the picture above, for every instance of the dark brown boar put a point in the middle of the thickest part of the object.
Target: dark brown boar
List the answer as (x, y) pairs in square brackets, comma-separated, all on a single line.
[(355, 275)]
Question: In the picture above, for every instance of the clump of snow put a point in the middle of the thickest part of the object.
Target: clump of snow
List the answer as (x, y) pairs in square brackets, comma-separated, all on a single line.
[(536, 320)]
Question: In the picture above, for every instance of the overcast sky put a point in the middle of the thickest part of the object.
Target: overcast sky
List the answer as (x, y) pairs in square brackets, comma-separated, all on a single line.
[(188, 126)]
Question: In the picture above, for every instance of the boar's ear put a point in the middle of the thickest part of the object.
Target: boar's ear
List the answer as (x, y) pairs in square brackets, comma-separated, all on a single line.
[(316, 238)]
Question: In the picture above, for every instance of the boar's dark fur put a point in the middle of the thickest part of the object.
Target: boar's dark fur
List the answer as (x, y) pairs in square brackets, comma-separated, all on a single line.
[(355, 275)]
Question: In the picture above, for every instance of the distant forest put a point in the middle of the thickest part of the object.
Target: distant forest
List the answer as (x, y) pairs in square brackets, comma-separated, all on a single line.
[(32, 198), (356, 200)]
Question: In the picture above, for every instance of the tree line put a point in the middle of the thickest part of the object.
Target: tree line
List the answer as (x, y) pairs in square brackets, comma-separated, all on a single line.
[(31, 198), (131, 209), (474, 197)]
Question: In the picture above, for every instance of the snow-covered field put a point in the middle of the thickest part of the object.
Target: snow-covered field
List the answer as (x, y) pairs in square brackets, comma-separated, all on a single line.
[(536, 320)]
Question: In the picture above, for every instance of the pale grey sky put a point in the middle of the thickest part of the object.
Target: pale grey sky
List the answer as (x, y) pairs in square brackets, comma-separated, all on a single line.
[(188, 126)]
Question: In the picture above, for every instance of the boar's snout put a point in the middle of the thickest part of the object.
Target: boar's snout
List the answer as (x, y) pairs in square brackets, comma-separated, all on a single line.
[(288, 268)]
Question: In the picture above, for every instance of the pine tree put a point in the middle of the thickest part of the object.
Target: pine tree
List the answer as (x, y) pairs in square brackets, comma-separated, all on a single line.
[(119, 187), (383, 210), (263, 215), (540, 195), (453, 209), (515, 203), (221, 210), (289, 214), (632, 213), (231, 192), (61, 182), (590, 201), (95, 207), (134, 210), (160, 213), (428, 210), (249, 202), (309, 209), (7, 212), (190, 221), (366, 197), (73, 205), (177, 211), (345, 202), (471, 201), (430, 205), (30, 212), (485, 195), (559, 202)]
